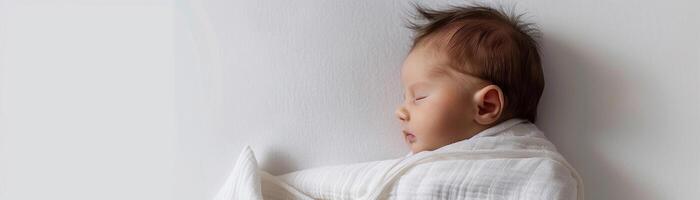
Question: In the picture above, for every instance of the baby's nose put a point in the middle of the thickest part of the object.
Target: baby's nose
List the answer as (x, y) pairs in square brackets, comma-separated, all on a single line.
[(402, 113)]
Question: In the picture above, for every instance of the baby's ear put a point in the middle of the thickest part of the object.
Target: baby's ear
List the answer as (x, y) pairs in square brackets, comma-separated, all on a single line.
[(488, 102)]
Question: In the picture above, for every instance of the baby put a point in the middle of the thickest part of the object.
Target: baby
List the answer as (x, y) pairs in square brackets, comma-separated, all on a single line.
[(472, 80), (468, 69)]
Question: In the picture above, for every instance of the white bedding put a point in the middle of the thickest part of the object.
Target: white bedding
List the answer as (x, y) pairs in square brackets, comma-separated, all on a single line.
[(512, 160)]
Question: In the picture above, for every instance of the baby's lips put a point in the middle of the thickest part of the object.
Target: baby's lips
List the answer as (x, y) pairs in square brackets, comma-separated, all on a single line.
[(410, 138)]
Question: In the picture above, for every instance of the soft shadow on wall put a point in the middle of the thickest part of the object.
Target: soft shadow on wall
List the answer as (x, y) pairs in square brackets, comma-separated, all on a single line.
[(583, 103)]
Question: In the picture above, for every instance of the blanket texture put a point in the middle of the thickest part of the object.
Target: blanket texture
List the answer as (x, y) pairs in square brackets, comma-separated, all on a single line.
[(512, 160)]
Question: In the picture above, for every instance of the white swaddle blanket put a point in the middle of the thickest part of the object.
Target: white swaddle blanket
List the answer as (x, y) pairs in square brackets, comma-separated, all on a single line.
[(512, 160)]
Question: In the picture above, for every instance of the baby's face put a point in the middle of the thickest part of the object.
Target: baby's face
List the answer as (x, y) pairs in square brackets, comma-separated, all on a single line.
[(438, 108)]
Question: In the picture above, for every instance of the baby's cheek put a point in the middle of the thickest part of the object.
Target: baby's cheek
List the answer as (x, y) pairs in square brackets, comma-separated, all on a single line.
[(441, 121), (432, 124)]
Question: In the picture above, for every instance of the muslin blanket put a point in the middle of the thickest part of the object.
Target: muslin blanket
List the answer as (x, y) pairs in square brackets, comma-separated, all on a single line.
[(512, 160)]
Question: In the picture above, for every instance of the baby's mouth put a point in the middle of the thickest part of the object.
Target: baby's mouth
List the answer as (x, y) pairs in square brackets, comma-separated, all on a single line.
[(409, 137)]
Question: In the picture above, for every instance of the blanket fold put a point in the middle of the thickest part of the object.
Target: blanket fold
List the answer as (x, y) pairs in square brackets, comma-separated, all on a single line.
[(512, 160)]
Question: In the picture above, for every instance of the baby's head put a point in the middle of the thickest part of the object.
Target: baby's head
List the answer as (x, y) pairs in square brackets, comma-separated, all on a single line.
[(469, 69)]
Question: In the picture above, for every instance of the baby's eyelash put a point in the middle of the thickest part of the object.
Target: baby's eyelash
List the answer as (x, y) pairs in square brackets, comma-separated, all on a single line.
[(419, 98)]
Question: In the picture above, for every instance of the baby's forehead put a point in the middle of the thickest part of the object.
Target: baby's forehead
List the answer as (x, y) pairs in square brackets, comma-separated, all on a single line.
[(434, 74), (442, 75), (423, 73)]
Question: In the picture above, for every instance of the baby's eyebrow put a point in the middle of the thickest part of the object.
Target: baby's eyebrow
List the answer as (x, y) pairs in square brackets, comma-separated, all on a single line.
[(411, 88)]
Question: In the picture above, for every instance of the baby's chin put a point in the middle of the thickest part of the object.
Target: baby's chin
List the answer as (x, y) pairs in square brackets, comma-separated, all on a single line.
[(417, 147), (412, 147)]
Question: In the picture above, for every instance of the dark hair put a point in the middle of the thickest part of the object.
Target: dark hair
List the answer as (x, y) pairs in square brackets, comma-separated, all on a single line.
[(490, 44)]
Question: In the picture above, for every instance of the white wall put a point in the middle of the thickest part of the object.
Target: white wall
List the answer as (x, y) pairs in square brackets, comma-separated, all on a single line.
[(622, 93), (119, 99), (86, 101)]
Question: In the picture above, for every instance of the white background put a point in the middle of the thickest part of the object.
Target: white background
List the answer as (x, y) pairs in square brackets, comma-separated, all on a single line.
[(154, 99)]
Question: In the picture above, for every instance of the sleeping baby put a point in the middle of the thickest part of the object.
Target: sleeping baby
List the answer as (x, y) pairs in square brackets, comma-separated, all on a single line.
[(472, 81)]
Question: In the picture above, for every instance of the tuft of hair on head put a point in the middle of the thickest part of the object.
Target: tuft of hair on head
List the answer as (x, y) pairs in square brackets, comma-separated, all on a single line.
[(489, 43)]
